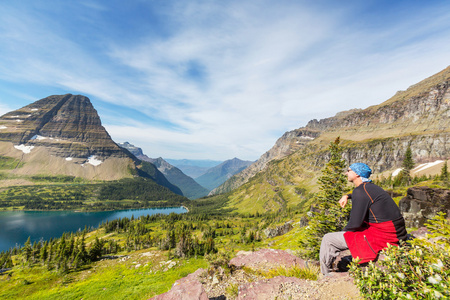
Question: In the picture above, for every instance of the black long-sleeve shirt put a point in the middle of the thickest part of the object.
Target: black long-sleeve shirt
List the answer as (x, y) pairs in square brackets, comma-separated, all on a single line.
[(371, 204)]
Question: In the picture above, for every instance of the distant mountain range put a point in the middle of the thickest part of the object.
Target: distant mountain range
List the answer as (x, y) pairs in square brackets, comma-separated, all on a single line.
[(217, 175), (192, 167), (211, 178), (188, 186)]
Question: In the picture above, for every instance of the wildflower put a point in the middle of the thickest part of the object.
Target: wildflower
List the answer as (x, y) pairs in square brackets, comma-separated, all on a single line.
[(437, 295), (401, 275), (408, 296), (418, 271), (438, 266), (434, 279)]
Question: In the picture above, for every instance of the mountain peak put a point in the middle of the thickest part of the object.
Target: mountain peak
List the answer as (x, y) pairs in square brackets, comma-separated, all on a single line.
[(67, 125)]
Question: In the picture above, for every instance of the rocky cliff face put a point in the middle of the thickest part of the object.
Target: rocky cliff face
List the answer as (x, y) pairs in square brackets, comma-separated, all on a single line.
[(378, 135), (67, 125), (421, 204)]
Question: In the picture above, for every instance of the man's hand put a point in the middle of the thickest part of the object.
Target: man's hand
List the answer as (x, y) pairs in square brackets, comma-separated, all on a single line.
[(343, 201)]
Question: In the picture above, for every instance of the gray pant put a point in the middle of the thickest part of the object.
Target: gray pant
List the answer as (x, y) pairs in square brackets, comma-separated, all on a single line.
[(332, 244)]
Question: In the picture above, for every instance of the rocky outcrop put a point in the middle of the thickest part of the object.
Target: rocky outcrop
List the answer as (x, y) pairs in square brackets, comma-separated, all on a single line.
[(279, 230), (186, 288), (422, 204)]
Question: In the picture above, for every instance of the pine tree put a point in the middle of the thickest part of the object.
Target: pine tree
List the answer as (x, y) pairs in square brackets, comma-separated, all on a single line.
[(444, 172), (407, 165), (44, 253), (27, 249), (327, 216), (96, 250)]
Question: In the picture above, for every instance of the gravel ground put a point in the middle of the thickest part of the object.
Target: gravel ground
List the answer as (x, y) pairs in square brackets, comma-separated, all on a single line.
[(219, 285)]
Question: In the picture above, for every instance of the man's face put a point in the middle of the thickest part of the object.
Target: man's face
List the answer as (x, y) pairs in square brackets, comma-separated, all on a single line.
[(351, 175)]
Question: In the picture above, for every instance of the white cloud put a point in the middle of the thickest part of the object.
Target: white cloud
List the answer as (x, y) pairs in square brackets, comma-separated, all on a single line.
[(228, 78)]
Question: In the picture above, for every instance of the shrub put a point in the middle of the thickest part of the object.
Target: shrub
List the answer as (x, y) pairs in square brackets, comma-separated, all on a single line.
[(418, 269)]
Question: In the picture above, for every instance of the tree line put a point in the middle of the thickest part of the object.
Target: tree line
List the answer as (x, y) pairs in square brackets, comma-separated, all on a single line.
[(68, 253)]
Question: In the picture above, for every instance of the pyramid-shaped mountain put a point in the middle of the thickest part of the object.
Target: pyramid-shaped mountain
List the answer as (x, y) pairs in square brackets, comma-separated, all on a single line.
[(67, 125)]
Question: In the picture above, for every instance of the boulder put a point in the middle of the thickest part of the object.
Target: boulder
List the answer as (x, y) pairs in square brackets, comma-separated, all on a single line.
[(342, 261), (186, 288), (422, 232), (423, 203)]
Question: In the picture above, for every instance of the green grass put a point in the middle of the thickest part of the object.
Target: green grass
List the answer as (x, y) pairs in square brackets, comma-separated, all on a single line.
[(9, 163), (110, 279)]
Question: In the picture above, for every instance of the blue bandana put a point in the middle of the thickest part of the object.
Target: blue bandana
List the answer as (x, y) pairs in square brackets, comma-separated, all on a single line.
[(362, 170)]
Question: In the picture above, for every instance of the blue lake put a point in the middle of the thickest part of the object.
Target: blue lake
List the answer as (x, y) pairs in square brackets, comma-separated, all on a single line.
[(17, 226)]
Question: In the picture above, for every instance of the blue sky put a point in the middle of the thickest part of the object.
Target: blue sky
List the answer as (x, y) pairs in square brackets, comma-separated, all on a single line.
[(217, 79)]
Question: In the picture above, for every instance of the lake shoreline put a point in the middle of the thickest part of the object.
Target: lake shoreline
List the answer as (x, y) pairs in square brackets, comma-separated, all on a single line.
[(89, 211)]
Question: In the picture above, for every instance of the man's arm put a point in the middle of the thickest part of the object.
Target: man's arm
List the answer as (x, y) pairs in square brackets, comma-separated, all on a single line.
[(343, 201)]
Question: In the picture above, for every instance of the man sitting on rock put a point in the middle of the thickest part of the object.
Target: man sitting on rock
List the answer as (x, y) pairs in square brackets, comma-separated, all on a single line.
[(375, 221)]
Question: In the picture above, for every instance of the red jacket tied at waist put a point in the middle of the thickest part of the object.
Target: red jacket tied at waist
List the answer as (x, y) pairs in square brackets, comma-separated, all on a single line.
[(367, 243)]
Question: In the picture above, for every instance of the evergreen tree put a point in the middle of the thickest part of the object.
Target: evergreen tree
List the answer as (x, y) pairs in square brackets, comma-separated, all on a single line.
[(83, 255), (95, 252), (444, 172), (5, 260), (327, 216), (44, 253), (407, 165), (76, 262), (27, 249)]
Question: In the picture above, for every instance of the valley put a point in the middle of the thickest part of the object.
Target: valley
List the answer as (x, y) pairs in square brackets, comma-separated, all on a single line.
[(59, 157)]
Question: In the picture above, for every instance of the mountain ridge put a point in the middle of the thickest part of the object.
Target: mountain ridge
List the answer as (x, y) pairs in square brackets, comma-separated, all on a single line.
[(378, 135)]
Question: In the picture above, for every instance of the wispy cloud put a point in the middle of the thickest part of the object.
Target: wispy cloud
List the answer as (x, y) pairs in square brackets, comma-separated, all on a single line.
[(221, 79)]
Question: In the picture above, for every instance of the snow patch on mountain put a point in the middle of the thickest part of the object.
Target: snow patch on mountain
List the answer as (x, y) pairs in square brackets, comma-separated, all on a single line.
[(23, 148)]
